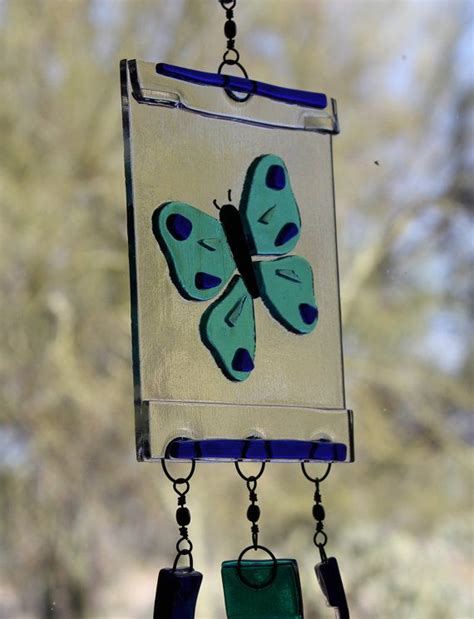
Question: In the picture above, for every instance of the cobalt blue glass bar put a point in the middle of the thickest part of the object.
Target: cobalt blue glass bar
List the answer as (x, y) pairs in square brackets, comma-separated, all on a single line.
[(240, 84), (256, 449)]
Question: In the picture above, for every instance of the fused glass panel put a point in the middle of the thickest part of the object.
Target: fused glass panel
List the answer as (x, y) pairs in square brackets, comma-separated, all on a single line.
[(233, 266)]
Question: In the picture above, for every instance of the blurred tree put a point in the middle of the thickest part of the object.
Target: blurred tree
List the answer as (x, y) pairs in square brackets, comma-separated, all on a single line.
[(80, 520)]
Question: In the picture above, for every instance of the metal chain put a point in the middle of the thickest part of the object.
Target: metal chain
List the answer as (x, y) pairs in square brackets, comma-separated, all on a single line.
[(253, 514), (231, 55), (183, 516), (320, 537), (253, 511)]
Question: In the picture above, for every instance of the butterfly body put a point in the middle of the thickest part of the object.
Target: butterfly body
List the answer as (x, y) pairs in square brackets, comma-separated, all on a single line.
[(204, 253), (229, 216)]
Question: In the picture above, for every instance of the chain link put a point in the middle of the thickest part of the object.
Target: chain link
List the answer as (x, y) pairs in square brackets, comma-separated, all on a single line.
[(253, 515), (253, 510), (320, 537), (183, 515), (231, 56)]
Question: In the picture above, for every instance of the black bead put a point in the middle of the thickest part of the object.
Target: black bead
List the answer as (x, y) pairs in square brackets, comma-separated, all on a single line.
[(253, 513), (183, 516), (318, 512), (230, 29), (229, 13)]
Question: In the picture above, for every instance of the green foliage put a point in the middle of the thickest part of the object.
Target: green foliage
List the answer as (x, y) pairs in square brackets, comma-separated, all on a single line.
[(84, 529)]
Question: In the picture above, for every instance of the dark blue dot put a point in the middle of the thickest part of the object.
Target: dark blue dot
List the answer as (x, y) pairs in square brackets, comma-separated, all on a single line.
[(204, 281), (286, 233), (276, 177), (180, 227), (309, 313), (242, 361)]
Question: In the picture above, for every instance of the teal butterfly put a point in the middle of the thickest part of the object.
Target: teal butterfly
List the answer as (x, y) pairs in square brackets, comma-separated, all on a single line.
[(203, 253)]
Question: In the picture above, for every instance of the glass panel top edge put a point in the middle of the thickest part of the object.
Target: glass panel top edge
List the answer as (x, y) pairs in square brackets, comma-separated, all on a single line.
[(244, 85), (172, 90)]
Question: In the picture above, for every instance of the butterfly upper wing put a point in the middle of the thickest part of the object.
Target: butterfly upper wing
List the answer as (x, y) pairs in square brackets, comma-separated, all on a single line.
[(268, 208), (228, 330), (287, 289), (196, 249)]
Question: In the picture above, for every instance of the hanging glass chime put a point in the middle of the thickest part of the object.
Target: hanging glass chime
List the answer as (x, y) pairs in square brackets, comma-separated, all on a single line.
[(236, 326)]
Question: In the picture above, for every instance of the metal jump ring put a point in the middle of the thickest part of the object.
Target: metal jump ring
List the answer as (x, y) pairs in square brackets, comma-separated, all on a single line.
[(253, 478), (324, 540), (274, 567), (315, 479), (183, 554), (230, 93), (232, 63), (178, 480), (251, 484), (235, 60), (224, 4), (184, 551)]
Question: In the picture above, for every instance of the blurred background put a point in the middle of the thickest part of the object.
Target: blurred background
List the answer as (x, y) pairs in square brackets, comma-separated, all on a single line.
[(84, 529)]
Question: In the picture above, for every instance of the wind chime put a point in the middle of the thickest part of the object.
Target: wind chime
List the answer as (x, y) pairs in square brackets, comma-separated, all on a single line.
[(236, 327)]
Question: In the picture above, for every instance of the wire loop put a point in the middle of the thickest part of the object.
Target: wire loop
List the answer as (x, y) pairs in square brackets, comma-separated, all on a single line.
[(272, 574), (231, 56), (184, 554), (252, 478), (315, 479), (178, 480), (184, 551), (231, 61), (322, 537)]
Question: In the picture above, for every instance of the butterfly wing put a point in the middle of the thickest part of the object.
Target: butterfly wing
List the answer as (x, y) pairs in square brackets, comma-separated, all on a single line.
[(195, 246), (287, 289), (228, 330), (268, 208)]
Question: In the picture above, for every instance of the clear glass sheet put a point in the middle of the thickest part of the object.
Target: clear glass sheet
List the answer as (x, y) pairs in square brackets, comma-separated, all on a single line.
[(192, 143)]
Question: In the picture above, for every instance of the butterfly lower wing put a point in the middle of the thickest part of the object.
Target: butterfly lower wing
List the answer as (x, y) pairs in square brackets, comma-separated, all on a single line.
[(228, 330), (287, 289), (268, 208), (195, 247)]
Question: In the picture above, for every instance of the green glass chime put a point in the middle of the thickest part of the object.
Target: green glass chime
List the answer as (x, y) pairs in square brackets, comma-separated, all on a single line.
[(265, 588)]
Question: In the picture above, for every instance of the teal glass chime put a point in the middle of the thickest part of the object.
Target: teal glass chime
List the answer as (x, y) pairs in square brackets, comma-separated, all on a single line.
[(265, 588)]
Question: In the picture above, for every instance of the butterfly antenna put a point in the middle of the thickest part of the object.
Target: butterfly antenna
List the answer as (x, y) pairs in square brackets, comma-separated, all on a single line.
[(229, 196), (216, 205)]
